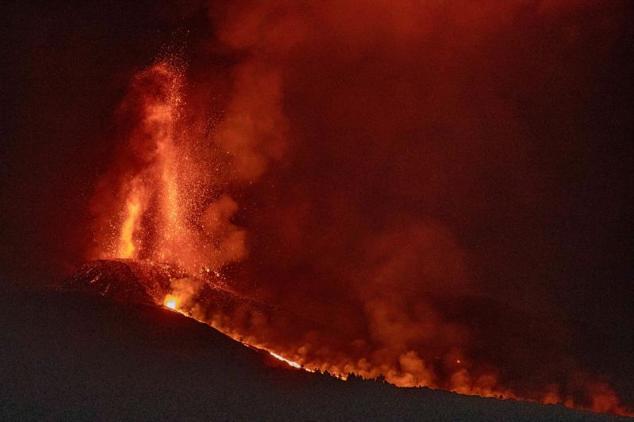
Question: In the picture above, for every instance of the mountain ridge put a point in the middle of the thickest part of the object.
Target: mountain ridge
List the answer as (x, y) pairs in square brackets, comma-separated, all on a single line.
[(68, 355)]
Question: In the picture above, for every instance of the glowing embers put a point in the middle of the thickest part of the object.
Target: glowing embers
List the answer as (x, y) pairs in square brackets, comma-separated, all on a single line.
[(150, 222)]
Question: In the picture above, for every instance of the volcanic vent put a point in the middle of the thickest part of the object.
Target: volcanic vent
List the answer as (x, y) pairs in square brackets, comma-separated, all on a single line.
[(124, 280)]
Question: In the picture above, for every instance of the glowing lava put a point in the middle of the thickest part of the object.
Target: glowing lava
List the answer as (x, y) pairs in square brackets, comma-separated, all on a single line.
[(151, 221), (127, 244), (287, 361), (170, 302)]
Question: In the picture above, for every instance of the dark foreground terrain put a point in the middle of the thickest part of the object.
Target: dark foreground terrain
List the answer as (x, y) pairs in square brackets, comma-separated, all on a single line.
[(68, 356)]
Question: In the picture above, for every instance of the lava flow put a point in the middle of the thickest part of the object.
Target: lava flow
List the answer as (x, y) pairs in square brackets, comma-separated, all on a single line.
[(324, 216), (171, 302)]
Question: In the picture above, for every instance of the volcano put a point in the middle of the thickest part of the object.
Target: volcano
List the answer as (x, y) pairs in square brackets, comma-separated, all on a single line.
[(317, 210), (204, 297), (72, 355), (124, 280)]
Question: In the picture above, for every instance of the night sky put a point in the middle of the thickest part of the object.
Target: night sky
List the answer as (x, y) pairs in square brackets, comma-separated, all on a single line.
[(488, 151)]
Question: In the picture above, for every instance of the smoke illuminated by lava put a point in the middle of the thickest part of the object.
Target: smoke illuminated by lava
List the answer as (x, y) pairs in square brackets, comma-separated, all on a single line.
[(342, 177)]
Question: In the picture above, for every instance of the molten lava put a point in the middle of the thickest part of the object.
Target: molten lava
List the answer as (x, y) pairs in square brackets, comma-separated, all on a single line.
[(287, 361), (170, 302), (127, 246)]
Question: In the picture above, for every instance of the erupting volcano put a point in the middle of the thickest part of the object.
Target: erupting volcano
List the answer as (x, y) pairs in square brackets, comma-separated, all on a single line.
[(391, 191), (164, 209)]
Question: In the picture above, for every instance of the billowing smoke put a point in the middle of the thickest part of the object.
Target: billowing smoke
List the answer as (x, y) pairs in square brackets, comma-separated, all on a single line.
[(377, 174)]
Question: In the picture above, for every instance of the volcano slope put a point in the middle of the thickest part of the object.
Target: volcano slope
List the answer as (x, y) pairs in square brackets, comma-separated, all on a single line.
[(75, 356)]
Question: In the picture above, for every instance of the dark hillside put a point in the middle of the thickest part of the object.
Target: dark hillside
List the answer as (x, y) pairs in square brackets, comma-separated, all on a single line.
[(70, 356)]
